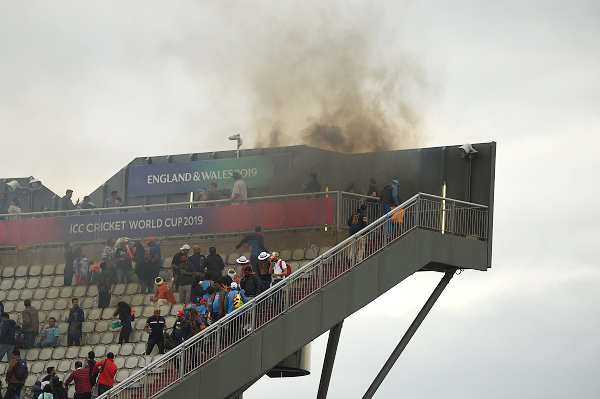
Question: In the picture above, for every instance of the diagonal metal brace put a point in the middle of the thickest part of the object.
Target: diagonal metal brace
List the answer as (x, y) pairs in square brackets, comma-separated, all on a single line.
[(409, 334)]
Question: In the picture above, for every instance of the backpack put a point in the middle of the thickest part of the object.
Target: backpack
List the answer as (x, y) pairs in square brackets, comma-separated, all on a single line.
[(20, 371), (237, 301)]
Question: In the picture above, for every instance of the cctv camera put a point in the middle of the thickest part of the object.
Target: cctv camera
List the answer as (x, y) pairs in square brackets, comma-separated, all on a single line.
[(34, 184), (234, 137), (13, 185), (467, 150)]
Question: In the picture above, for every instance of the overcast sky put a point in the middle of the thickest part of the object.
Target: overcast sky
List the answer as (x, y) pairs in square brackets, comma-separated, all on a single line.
[(85, 87)]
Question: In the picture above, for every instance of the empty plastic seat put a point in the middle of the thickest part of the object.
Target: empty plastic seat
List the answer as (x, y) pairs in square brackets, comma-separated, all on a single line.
[(120, 362), (121, 374), (148, 311), (118, 289), (125, 298), (21, 271), (131, 362), (48, 270), (52, 363), (60, 303), (108, 313), (94, 314), (87, 327), (79, 291), (60, 269), (13, 295), (298, 254), (41, 314), (100, 351), (286, 254), (132, 288), (34, 270), (45, 282), (66, 292), (63, 327), (93, 339), (52, 292), (92, 290), (6, 284), (9, 306), (166, 275), (32, 354), (113, 301), (30, 380), (107, 338), (39, 293), (27, 293), (102, 326), (322, 250), (294, 265), (58, 281), (137, 300), (139, 349), (65, 365), (139, 324), (167, 263), (37, 367), (310, 253), (126, 350), (59, 353), (83, 351), (114, 348), (19, 307), (170, 321), (45, 354), (232, 258), (8, 272), (72, 352), (135, 337), (87, 302), (3, 368), (142, 360)]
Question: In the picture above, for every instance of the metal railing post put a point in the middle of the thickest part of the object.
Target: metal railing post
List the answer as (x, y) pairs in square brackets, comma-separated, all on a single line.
[(218, 339), (253, 318), (287, 297), (320, 270), (181, 361), (145, 388)]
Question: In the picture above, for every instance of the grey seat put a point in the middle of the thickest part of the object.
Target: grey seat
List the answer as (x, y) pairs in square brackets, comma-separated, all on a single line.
[(114, 348), (100, 351), (65, 365), (9, 306), (59, 353), (35, 270), (87, 327), (52, 363), (148, 311), (63, 327), (30, 380), (126, 350), (52, 292), (45, 354), (21, 271), (83, 351), (140, 323), (66, 292), (37, 367), (6, 284), (58, 281), (87, 303), (48, 270), (19, 307), (8, 272), (47, 305), (73, 352), (322, 250), (108, 313), (286, 255), (118, 289), (122, 374), (93, 339), (137, 300), (40, 293), (32, 354), (92, 290), (310, 254), (79, 291), (107, 338), (56, 314), (298, 254), (135, 337), (60, 303), (131, 362), (132, 288), (60, 269), (102, 326), (167, 263), (27, 294), (19, 283), (45, 282), (95, 314), (120, 363), (139, 349)]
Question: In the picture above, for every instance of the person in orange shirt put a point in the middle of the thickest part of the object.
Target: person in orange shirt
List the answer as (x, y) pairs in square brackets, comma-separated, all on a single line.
[(163, 294)]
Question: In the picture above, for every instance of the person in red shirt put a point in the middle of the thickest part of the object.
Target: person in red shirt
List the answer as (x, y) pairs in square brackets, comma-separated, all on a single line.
[(81, 377), (163, 294), (106, 377)]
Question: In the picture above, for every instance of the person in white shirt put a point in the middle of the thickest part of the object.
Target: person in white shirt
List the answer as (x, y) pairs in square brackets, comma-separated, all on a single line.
[(278, 268), (239, 193)]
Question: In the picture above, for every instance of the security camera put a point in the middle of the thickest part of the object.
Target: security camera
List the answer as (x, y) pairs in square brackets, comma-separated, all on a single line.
[(467, 150), (234, 137), (34, 184), (13, 185)]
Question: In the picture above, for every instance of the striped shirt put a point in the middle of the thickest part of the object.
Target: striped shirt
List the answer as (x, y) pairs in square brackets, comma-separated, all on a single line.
[(81, 377)]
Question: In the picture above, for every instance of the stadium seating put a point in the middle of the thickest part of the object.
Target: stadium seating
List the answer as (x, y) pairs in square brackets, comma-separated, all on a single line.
[(43, 285)]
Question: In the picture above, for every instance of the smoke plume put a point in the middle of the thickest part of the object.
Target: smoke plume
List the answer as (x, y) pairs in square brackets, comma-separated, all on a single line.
[(333, 79)]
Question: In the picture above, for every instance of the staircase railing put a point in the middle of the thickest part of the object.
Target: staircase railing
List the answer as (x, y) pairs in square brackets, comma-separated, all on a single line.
[(425, 211)]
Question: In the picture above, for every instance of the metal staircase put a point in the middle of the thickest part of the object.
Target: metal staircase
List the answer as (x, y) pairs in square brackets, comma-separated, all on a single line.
[(426, 233)]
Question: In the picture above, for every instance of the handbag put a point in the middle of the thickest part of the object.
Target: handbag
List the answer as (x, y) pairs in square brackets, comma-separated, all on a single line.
[(116, 324)]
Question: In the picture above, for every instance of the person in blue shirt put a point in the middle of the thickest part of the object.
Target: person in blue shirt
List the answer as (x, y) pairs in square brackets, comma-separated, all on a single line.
[(230, 298), (50, 335), (257, 244), (389, 196), (217, 300)]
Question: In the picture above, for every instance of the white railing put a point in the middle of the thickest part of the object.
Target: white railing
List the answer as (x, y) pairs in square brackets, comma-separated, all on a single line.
[(421, 211)]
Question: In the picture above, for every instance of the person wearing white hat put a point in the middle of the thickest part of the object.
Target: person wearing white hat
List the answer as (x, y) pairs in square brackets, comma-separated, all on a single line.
[(264, 265), (163, 294), (185, 248), (232, 300)]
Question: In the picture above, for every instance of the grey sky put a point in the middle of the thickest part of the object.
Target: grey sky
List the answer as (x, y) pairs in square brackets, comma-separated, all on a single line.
[(87, 86)]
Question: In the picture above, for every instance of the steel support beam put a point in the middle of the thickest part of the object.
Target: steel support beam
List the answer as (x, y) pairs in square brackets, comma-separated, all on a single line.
[(409, 334), (332, 344)]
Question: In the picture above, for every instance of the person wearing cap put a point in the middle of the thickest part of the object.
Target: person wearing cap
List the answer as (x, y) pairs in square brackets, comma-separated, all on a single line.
[(278, 268), (256, 241), (230, 297), (239, 193), (123, 258), (231, 272), (250, 282), (389, 196), (264, 264), (176, 261), (182, 329), (155, 327), (162, 294)]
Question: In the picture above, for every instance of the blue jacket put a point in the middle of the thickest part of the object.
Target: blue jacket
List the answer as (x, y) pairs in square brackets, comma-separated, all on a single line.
[(229, 299), (7, 332)]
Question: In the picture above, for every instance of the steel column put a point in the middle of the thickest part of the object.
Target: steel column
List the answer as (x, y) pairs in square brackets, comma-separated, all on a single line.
[(409, 334), (332, 344)]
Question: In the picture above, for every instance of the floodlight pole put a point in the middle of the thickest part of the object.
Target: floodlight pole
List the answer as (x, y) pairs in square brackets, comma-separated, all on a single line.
[(409, 334)]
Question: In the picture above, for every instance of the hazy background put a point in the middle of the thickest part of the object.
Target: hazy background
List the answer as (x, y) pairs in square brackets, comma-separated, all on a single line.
[(85, 87)]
